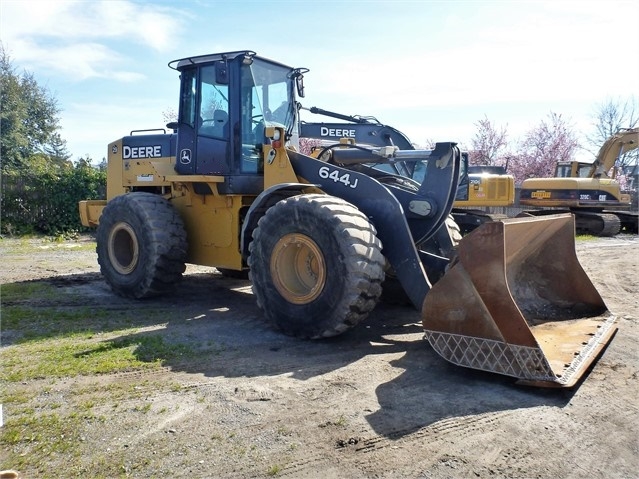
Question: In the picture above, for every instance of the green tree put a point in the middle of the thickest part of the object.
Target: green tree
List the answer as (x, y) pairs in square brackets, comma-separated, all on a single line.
[(29, 119), (56, 150)]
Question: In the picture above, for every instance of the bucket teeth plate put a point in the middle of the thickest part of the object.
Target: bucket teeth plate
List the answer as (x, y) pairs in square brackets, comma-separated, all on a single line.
[(517, 302), (522, 362)]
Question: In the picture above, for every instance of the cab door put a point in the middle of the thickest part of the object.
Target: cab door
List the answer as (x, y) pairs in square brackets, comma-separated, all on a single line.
[(213, 123), (204, 123)]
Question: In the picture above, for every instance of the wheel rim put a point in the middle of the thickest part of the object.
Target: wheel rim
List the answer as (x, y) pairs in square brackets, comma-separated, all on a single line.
[(124, 249), (298, 268)]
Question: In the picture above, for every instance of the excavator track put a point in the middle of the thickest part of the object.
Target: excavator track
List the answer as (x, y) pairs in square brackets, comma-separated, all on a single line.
[(629, 220), (598, 224)]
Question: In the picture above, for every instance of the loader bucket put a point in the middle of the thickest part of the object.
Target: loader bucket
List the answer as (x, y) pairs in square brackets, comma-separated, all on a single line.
[(517, 302)]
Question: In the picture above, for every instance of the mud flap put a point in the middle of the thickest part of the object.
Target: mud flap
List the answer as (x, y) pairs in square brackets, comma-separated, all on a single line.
[(517, 302)]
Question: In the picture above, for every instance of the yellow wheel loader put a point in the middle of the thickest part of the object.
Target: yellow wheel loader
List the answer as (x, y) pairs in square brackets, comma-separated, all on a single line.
[(230, 189), (590, 191)]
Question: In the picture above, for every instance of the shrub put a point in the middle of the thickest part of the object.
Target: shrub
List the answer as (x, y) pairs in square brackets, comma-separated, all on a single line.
[(45, 200)]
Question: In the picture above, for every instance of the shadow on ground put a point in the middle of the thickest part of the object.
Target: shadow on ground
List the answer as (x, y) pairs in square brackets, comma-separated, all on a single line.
[(221, 333)]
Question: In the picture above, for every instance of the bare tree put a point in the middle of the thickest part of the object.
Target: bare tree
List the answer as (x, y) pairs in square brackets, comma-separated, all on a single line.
[(542, 147), (169, 115), (609, 117), (488, 145)]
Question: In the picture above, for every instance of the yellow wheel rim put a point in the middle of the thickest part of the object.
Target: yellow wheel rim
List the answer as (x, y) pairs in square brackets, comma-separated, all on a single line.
[(124, 250), (298, 268)]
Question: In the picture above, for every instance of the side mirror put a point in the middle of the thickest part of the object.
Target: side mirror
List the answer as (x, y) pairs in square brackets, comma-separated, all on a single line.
[(221, 73), (298, 73)]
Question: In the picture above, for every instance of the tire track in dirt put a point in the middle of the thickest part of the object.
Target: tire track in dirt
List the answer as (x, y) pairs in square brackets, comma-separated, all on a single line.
[(430, 438)]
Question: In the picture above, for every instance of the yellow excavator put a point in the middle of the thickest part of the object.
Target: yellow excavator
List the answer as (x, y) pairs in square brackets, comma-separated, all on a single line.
[(590, 191), (229, 188)]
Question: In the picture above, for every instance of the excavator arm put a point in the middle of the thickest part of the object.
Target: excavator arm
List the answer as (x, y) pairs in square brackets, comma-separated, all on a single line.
[(613, 148)]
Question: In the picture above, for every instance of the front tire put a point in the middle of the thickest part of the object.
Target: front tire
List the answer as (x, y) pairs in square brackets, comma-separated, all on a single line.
[(444, 243), (316, 266), (141, 245)]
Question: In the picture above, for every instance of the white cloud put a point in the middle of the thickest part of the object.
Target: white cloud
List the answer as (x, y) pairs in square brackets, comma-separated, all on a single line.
[(70, 36), (102, 123), (525, 53), (76, 61), (151, 25)]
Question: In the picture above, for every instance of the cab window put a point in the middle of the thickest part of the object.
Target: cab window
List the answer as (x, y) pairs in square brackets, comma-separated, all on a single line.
[(214, 105), (188, 108)]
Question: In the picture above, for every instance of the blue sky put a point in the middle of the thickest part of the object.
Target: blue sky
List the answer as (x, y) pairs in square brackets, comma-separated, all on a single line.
[(431, 69)]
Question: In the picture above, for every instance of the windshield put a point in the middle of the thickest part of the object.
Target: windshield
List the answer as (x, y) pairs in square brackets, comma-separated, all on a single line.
[(267, 97)]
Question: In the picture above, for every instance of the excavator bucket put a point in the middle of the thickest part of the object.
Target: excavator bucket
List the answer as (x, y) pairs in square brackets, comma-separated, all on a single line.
[(517, 302)]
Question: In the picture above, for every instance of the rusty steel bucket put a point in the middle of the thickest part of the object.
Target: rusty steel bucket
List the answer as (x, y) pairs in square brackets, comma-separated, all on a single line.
[(517, 302)]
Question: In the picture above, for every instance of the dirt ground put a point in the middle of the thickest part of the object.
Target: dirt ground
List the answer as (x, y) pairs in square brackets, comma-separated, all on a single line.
[(376, 402)]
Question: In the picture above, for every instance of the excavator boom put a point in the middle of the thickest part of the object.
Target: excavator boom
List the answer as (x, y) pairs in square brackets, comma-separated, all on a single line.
[(613, 148)]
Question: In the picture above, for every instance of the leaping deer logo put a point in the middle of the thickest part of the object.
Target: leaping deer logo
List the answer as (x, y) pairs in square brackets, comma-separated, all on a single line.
[(185, 156)]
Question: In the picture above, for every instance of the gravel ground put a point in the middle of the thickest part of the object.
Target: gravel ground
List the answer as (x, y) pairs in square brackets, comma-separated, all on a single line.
[(376, 401)]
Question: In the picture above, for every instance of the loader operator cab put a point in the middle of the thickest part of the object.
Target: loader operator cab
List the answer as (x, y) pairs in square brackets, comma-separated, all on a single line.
[(226, 101)]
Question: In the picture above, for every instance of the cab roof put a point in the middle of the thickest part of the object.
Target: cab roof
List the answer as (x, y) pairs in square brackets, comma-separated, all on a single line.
[(249, 55)]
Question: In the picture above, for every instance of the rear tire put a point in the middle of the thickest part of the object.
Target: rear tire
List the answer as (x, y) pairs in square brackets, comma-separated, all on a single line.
[(141, 245), (316, 266)]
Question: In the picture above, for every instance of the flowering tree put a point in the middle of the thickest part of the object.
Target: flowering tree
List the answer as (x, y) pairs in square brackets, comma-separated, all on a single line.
[(488, 145), (542, 147), (308, 144)]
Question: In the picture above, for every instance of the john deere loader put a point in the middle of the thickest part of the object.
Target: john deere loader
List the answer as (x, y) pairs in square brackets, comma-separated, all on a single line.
[(229, 188)]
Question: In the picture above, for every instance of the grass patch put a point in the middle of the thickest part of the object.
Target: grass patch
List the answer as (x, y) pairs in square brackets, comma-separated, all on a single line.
[(41, 437), (36, 323), (33, 244), (585, 237), (88, 354), (33, 311), (46, 341), (16, 292), (274, 470)]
